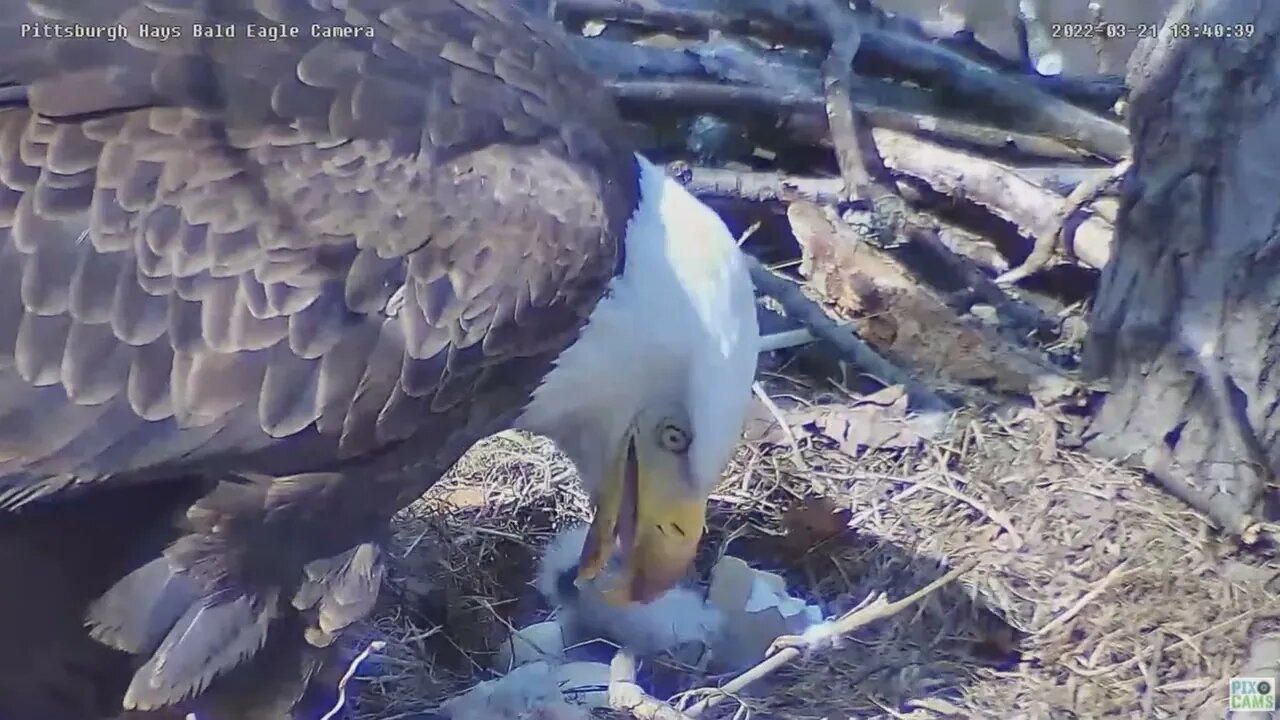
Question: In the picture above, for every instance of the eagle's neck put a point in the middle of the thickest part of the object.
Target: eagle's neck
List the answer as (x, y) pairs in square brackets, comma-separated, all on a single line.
[(673, 306)]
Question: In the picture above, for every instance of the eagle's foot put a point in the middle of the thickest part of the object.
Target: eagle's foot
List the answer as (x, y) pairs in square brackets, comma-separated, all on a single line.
[(256, 550)]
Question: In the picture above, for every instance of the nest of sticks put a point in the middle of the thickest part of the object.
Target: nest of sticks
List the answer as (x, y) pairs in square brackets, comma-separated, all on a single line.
[(929, 223), (1061, 617)]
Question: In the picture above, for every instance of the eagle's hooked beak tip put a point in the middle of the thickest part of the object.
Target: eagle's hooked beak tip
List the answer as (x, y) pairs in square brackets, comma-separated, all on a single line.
[(653, 518)]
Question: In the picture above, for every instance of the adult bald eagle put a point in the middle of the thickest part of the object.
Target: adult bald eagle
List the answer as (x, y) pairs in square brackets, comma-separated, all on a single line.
[(267, 269)]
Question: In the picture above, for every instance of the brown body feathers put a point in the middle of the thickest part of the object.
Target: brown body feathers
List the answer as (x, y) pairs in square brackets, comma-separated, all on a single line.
[(255, 296)]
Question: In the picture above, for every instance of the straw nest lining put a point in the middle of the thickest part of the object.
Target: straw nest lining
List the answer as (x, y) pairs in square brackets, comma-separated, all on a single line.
[(1096, 596)]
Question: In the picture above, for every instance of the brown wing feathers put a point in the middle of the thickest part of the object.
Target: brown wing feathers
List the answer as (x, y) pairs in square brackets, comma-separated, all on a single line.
[(235, 249), (240, 256)]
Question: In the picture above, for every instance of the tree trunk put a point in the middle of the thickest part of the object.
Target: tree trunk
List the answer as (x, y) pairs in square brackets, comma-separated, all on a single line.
[(1187, 321)]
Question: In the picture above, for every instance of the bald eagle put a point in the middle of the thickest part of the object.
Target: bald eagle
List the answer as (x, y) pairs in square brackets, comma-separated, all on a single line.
[(268, 268)]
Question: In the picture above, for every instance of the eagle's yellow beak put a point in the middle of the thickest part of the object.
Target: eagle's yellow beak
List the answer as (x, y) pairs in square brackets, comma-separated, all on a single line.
[(651, 505)]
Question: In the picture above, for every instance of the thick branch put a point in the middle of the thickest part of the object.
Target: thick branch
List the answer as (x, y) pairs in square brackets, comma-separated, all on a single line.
[(984, 288), (1102, 91), (765, 186), (997, 188), (950, 172), (800, 112), (757, 186), (969, 82), (777, 187), (842, 338)]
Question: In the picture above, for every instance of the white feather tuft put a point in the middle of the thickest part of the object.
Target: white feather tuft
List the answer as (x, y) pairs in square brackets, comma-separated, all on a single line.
[(529, 692), (677, 619)]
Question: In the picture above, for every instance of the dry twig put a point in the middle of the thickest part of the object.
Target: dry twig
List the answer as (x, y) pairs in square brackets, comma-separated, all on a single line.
[(341, 702), (797, 457), (1047, 238), (1107, 581), (848, 129), (789, 647)]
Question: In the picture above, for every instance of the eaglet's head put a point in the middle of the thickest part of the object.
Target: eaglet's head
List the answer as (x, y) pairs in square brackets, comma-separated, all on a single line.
[(650, 400)]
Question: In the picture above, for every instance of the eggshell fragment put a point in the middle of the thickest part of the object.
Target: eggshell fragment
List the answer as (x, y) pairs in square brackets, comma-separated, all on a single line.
[(527, 688), (757, 610), (680, 621), (540, 641)]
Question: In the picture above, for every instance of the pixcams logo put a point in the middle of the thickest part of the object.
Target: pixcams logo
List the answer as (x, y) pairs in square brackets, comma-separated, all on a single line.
[(1253, 694)]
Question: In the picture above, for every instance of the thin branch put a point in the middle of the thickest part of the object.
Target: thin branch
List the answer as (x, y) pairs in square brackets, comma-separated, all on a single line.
[(1116, 573), (1021, 314), (805, 311), (762, 395), (1046, 240), (790, 647), (847, 126), (354, 666), (860, 163), (787, 339)]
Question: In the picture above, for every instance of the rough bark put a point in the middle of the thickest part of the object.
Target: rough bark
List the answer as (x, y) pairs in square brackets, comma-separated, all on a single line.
[(1186, 325)]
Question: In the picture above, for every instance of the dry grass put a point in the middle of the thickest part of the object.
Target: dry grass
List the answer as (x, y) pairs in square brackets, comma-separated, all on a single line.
[(1097, 596)]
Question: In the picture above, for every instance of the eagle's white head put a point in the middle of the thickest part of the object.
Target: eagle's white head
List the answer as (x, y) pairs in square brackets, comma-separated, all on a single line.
[(650, 401)]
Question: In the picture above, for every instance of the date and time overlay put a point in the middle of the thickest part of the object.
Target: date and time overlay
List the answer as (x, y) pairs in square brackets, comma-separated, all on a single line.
[(1118, 31), (281, 31)]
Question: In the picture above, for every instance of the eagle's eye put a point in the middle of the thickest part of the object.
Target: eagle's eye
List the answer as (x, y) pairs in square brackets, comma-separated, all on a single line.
[(673, 438)]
